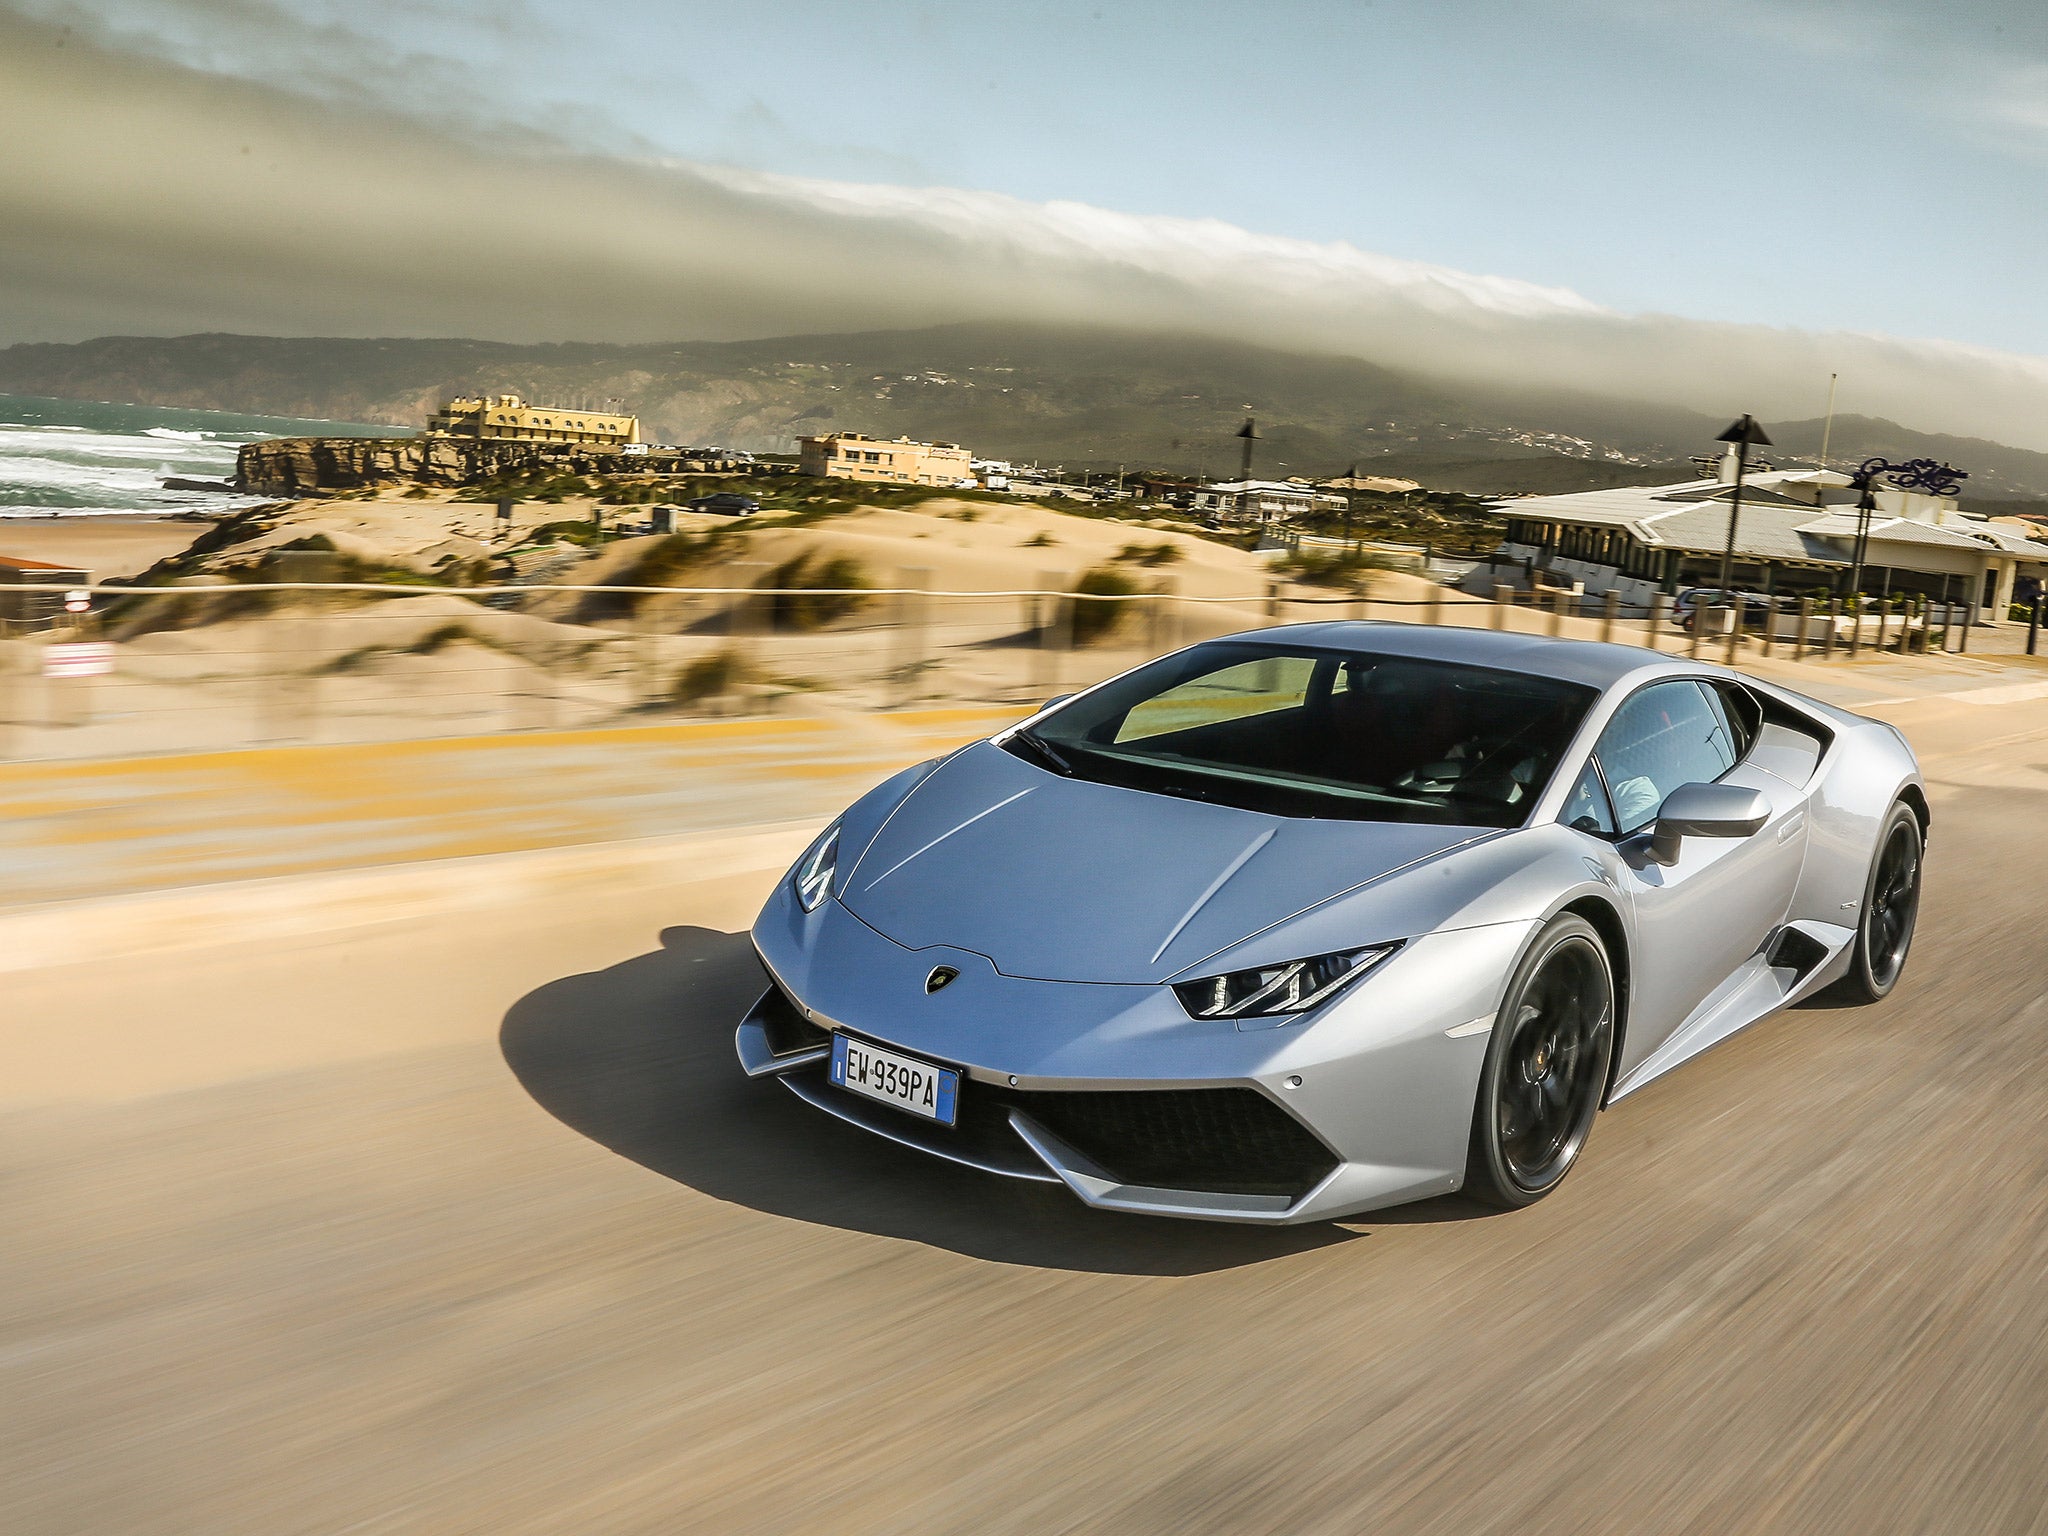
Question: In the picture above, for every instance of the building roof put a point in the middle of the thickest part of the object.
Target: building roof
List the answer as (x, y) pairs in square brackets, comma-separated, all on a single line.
[(1238, 487), (1692, 516), (1762, 532), (2011, 540), (1974, 537), (16, 563)]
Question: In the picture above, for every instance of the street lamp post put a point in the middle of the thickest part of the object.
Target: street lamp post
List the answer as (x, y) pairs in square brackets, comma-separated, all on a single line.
[(1247, 434), (1744, 434), (1866, 504)]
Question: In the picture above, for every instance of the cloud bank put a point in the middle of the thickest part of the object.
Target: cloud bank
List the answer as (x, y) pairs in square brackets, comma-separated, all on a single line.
[(145, 195)]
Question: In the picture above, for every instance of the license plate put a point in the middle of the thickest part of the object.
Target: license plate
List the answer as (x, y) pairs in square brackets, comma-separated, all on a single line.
[(904, 1081)]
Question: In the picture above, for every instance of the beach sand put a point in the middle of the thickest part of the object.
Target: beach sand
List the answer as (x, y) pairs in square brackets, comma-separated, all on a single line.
[(109, 547)]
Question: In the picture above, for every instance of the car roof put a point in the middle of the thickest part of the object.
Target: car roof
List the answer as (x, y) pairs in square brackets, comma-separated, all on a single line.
[(1592, 662)]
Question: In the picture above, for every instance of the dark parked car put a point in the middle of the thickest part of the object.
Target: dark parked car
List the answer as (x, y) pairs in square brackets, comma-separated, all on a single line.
[(725, 503), (1687, 605)]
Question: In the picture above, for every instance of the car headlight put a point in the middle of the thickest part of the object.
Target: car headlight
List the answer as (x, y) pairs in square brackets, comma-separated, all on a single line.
[(812, 877), (1278, 991)]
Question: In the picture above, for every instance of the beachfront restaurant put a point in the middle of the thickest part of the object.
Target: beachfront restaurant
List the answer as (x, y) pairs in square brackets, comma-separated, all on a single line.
[(1796, 534)]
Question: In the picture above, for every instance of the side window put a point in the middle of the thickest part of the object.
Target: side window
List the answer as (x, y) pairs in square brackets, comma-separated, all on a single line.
[(1727, 738), (1745, 715), (1588, 808), (1665, 736), (1234, 693)]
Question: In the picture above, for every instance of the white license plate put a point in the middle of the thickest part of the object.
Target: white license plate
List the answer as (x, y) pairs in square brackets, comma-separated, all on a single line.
[(904, 1081)]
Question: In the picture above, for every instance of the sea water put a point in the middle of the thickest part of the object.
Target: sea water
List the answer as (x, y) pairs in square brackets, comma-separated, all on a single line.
[(84, 458)]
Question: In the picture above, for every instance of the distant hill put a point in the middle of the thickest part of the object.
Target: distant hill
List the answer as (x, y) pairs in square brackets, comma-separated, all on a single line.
[(1071, 397)]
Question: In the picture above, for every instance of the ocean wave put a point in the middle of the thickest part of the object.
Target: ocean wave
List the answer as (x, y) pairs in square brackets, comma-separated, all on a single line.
[(81, 459), (39, 470), (45, 514)]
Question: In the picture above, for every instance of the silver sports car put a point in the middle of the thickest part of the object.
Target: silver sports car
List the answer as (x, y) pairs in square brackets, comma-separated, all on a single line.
[(1323, 918)]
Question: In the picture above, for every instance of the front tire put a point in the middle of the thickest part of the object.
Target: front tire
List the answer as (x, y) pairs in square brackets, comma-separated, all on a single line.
[(1546, 1068), (1890, 912)]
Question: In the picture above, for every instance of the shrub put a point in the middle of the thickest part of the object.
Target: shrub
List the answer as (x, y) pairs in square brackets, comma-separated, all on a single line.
[(709, 677), (676, 554), (1091, 621), (1161, 553), (1040, 541), (823, 597), (575, 530), (1351, 570)]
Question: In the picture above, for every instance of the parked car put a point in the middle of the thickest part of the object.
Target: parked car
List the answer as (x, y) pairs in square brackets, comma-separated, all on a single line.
[(1687, 605), (724, 503)]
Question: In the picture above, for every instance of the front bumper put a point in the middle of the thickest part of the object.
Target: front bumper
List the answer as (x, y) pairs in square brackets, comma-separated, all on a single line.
[(1114, 1092)]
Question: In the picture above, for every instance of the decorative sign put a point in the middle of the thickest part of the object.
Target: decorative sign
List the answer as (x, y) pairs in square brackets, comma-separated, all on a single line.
[(77, 601), (1929, 476), (94, 658)]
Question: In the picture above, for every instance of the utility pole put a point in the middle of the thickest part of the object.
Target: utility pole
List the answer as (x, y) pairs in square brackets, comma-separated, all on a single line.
[(1827, 432)]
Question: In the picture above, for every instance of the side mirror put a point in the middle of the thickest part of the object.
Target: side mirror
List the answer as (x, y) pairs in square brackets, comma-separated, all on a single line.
[(1054, 702), (1706, 810)]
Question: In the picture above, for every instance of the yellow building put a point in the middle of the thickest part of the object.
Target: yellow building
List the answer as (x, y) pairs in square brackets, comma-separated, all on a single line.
[(508, 416), (854, 456)]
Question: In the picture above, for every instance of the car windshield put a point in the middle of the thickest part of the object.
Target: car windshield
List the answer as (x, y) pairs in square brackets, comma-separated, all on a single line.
[(1309, 732)]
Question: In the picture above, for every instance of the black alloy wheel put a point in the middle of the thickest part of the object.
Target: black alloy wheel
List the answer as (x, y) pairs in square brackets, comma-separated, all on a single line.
[(1546, 1068), (1891, 910)]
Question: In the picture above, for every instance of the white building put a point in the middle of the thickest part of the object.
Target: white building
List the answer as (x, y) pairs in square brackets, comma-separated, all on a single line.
[(1796, 530), (1262, 501)]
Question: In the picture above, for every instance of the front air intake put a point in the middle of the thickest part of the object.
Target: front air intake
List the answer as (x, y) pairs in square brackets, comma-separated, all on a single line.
[(1225, 1140)]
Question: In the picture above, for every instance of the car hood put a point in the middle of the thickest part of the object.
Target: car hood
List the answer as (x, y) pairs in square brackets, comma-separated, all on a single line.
[(1064, 880)]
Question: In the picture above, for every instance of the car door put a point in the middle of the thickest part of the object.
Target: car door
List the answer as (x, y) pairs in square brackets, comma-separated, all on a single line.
[(1700, 918)]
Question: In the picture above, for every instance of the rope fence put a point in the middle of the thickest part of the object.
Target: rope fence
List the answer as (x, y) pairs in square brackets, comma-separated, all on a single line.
[(205, 665)]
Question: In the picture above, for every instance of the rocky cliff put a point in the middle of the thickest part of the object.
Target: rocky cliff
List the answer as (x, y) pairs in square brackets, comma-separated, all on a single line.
[(306, 466), (313, 466)]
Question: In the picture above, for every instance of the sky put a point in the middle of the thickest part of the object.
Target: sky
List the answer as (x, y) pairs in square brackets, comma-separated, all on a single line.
[(1715, 203)]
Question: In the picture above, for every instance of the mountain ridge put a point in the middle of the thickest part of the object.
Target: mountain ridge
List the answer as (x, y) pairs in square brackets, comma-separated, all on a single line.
[(1080, 397)]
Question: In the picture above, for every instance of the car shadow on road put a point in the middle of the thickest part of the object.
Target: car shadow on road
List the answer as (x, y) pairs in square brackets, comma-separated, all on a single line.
[(639, 1058)]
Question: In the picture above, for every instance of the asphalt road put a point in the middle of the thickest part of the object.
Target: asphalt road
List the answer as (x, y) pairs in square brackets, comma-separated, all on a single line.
[(506, 1245)]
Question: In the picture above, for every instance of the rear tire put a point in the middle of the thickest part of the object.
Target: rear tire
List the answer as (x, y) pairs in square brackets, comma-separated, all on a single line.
[(1890, 911), (1546, 1068)]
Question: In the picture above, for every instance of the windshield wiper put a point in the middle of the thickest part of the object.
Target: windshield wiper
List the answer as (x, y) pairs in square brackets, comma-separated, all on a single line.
[(1047, 752)]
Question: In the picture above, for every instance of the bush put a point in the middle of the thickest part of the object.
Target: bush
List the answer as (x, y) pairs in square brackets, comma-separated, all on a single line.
[(676, 554), (710, 677), (454, 632), (1040, 541), (580, 531), (1161, 553), (825, 597), (1091, 621), (1351, 570)]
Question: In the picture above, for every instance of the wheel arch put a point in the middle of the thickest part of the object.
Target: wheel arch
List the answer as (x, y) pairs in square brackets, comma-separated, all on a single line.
[(1916, 801), (1606, 921)]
